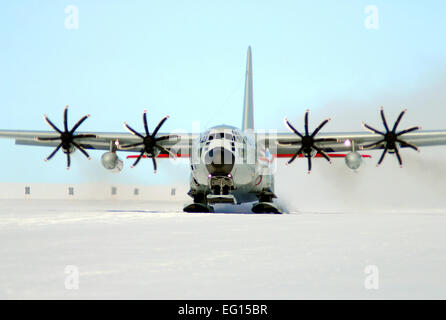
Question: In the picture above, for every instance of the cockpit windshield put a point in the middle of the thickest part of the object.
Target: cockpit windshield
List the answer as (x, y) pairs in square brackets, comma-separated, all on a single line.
[(231, 135)]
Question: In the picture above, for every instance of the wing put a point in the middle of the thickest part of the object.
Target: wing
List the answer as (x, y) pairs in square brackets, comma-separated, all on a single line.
[(103, 141), (343, 141)]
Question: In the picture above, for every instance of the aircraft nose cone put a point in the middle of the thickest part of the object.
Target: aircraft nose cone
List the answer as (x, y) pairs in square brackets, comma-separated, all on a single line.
[(219, 161)]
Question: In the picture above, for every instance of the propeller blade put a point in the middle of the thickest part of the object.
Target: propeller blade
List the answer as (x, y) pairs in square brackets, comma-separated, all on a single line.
[(288, 142), (52, 125), (407, 144), (139, 158), (294, 157), (408, 130), (372, 145), (398, 120), (384, 119), (46, 139), (398, 157), (320, 127), (79, 123), (154, 164), (382, 156), (132, 130), (166, 151), (174, 136), (290, 126), (85, 136), (68, 161), (372, 129), (159, 125), (309, 162), (54, 152), (65, 118), (306, 122), (81, 149), (144, 120), (322, 152), (325, 140)]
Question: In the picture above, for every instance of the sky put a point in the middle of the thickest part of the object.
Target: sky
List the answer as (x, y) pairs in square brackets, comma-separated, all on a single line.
[(340, 59)]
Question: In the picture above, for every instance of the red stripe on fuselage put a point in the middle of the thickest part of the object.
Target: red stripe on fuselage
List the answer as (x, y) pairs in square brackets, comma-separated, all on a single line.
[(318, 155), (283, 155), (161, 155)]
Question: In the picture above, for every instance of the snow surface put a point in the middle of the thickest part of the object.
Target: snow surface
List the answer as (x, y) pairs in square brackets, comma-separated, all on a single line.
[(152, 250)]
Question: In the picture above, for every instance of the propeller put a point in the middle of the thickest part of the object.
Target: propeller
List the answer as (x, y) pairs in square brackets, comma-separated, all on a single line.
[(149, 142), (308, 142), (390, 138), (67, 137)]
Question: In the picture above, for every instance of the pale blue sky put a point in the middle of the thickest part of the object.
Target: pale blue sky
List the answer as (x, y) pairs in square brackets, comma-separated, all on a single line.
[(187, 59)]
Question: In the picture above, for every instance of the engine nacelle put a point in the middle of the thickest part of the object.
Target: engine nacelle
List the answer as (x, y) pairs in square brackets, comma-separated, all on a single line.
[(353, 160), (111, 162)]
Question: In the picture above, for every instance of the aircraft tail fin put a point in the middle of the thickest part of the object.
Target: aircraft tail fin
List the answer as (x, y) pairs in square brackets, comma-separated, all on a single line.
[(248, 104)]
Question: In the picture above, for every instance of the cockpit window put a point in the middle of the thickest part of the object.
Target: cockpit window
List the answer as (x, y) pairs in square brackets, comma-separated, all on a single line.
[(221, 135)]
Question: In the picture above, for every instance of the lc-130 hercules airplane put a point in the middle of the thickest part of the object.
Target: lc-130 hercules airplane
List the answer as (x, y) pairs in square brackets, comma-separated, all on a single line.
[(230, 165)]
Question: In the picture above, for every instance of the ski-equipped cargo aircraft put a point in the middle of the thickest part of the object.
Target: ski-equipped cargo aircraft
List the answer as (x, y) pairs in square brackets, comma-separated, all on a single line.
[(231, 165)]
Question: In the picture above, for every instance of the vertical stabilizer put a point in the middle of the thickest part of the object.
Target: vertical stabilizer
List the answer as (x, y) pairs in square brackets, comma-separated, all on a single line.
[(248, 104)]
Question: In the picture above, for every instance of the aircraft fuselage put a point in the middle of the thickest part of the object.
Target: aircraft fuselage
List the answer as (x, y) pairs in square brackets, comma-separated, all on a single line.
[(225, 162)]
